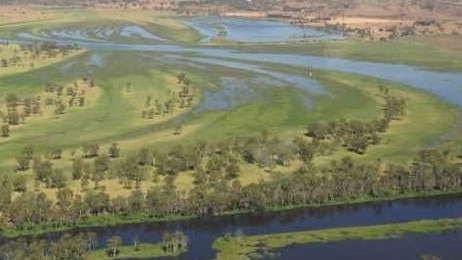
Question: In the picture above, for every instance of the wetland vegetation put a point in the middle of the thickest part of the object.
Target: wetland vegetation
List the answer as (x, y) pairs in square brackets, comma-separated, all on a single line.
[(113, 117)]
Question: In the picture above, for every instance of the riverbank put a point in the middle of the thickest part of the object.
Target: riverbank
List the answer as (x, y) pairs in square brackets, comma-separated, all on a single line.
[(115, 220)]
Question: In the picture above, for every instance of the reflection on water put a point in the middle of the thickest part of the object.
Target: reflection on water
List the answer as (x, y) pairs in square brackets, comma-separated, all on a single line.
[(245, 30)]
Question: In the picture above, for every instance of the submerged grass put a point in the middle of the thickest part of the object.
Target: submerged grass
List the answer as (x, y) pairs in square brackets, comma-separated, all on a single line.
[(248, 247)]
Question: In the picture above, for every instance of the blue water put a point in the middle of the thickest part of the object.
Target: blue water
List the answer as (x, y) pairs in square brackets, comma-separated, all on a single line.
[(410, 247), (245, 30)]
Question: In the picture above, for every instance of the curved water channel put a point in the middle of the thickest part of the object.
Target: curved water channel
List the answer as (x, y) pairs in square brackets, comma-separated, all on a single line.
[(202, 233)]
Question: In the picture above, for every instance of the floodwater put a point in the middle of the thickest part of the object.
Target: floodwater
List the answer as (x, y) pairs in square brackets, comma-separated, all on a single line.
[(245, 30)]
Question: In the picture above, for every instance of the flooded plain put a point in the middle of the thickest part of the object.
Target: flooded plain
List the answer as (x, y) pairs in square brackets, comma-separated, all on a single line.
[(236, 91)]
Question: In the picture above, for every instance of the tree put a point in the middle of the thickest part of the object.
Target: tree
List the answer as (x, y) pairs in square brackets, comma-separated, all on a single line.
[(177, 130), (136, 201), (145, 157), (114, 243), (12, 100), (19, 183), (58, 179), (77, 168), (102, 163), (174, 242), (181, 77), (56, 153), (114, 151), (60, 108), (90, 150), (5, 130), (22, 162), (5, 192), (64, 203), (43, 170)]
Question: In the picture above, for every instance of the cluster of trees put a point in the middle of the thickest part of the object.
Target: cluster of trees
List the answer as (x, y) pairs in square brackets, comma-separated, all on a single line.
[(75, 95), (66, 247), (355, 135), (18, 109), (35, 52), (183, 98), (77, 246), (174, 242)]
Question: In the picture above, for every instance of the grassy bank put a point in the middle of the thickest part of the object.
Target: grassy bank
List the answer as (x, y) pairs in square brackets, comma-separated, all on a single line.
[(249, 247), (116, 220)]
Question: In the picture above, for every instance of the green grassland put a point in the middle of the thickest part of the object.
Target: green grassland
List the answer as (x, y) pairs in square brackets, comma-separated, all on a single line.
[(249, 247), (114, 113)]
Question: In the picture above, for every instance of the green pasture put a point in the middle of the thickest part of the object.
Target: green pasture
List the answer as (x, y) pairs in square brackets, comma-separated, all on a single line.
[(115, 113)]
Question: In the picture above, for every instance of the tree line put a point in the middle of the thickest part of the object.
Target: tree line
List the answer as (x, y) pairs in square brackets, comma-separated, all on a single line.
[(356, 135), (78, 246), (216, 188)]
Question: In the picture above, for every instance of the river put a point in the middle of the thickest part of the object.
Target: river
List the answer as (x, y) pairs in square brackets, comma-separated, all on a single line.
[(202, 232)]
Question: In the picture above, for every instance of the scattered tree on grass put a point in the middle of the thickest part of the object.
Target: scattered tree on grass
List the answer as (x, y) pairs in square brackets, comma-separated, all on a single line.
[(90, 150), (114, 151), (114, 243), (5, 130)]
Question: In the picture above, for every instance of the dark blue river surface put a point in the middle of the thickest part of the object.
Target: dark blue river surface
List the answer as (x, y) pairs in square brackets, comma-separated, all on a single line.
[(202, 232), (447, 246)]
